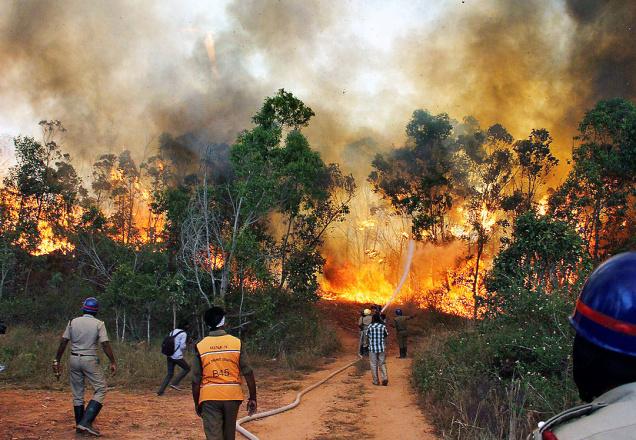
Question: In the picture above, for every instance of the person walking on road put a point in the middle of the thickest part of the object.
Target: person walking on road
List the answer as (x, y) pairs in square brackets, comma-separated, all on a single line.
[(402, 331), (85, 333), (180, 336), (216, 379), (377, 335), (363, 323)]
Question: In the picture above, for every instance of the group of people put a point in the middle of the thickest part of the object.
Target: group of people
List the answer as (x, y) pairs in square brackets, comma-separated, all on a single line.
[(218, 368), (604, 362), (373, 334)]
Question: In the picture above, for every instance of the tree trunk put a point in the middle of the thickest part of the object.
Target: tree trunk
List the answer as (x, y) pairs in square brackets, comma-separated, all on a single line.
[(283, 251), (117, 323), (123, 328), (597, 227), (480, 248), (174, 315), (26, 283), (241, 306), (148, 328)]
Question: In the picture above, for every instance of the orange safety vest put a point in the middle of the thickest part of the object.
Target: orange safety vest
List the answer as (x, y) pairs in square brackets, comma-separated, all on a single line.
[(221, 374)]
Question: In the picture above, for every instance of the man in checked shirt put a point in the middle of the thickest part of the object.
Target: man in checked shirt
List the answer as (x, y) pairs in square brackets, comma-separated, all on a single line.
[(377, 334)]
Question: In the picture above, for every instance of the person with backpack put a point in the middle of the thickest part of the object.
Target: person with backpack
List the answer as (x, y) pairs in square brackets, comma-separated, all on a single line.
[(173, 347)]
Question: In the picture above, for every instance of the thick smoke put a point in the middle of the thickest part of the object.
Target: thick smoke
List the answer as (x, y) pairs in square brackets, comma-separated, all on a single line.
[(603, 53), (118, 74)]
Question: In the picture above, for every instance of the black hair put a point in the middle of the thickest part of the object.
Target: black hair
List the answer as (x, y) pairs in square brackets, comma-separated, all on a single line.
[(183, 324), (597, 370), (213, 316), (377, 318)]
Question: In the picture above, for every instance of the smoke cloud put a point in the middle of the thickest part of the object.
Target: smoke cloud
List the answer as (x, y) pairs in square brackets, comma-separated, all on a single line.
[(119, 74)]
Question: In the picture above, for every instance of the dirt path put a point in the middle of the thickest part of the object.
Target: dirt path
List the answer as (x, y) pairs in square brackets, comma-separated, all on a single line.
[(346, 407), (350, 407)]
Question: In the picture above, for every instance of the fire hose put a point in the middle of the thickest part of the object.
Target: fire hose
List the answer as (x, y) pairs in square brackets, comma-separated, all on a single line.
[(296, 402)]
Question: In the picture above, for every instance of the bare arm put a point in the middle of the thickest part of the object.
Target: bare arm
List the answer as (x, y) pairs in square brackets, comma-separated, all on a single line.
[(61, 349), (251, 386), (196, 381), (196, 389), (109, 352)]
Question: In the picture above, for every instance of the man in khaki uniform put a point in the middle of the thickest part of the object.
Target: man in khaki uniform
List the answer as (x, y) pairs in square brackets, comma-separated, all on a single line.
[(603, 358), (85, 333), (402, 331), (363, 323), (216, 379)]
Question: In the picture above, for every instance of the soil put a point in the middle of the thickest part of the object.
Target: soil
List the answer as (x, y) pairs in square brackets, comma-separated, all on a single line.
[(348, 406)]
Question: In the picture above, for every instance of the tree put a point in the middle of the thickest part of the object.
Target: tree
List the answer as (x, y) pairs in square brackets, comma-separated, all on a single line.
[(116, 184), (596, 196), (482, 181), (542, 256), (228, 233), (7, 261), (416, 179), (217, 217), (535, 161), (42, 189)]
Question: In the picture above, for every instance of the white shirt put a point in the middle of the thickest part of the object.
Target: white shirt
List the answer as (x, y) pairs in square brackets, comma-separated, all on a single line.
[(179, 343)]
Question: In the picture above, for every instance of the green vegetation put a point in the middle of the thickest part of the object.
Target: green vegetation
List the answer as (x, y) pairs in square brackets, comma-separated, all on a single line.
[(512, 368), (194, 225)]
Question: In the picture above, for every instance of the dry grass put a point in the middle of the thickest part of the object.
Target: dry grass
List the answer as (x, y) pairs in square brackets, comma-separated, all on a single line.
[(28, 356)]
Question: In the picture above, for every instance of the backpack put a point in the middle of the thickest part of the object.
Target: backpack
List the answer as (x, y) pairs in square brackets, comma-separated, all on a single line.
[(168, 346)]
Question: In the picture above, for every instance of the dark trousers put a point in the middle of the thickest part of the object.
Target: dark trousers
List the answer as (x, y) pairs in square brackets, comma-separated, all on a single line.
[(171, 364), (219, 419)]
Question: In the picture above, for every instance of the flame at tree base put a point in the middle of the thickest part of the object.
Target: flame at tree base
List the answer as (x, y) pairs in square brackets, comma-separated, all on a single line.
[(449, 289)]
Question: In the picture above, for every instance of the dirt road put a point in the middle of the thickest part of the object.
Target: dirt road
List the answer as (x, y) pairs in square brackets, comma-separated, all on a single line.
[(350, 407), (346, 407)]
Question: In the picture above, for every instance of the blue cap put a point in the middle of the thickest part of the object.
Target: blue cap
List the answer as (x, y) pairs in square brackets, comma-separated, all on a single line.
[(91, 305), (605, 312), (398, 312)]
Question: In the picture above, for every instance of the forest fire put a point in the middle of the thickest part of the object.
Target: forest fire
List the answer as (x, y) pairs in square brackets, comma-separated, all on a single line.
[(40, 236), (449, 290)]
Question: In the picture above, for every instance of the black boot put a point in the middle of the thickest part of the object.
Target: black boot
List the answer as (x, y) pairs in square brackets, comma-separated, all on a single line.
[(86, 424), (404, 351), (79, 413)]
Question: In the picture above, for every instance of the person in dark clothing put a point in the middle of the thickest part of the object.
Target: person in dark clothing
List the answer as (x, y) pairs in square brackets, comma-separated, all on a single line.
[(180, 341)]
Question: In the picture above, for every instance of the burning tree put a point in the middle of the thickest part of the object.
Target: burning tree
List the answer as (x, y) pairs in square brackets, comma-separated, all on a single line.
[(275, 175), (416, 179), (598, 195)]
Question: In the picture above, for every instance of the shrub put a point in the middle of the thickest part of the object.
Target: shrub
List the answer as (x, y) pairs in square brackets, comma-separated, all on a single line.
[(513, 368)]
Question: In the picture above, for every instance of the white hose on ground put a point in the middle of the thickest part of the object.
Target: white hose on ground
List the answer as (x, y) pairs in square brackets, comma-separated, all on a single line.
[(295, 403), (292, 405)]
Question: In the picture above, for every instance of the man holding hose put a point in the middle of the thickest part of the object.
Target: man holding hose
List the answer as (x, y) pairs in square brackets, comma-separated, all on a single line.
[(216, 380), (377, 334)]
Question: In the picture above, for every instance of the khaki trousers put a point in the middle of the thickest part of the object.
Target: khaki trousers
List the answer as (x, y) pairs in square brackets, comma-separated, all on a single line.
[(378, 360), (219, 419), (86, 367)]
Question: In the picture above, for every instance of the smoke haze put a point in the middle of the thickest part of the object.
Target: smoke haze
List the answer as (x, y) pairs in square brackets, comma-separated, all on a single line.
[(118, 73)]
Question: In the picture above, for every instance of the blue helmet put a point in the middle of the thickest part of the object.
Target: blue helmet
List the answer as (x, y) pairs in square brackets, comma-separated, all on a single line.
[(605, 312), (398, 312), (90, 305)]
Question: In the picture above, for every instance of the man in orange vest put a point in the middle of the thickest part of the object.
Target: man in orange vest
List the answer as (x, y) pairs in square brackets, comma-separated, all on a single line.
[(216, 379)]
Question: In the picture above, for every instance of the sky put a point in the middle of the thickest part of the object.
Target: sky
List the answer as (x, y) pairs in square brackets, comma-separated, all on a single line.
[(118, 74)]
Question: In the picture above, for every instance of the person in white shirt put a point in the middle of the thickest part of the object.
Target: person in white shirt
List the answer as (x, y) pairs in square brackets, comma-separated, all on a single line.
[(180, 337)]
